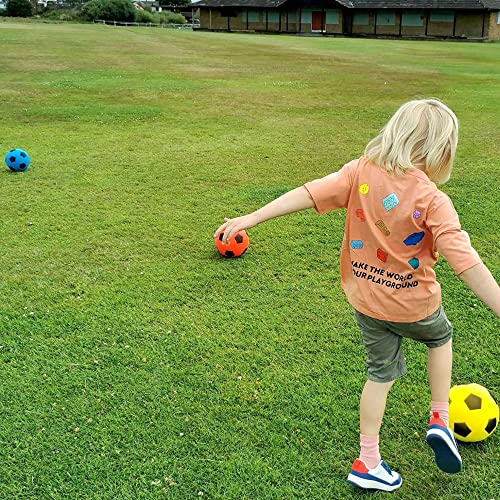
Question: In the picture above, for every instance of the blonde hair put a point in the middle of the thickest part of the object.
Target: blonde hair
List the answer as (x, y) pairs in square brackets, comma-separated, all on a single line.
[(421, 134)]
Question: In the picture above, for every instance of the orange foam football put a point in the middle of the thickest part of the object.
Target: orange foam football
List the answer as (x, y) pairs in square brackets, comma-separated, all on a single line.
[(237, 244)]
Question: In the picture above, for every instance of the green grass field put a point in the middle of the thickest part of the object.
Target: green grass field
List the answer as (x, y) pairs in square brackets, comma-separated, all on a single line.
[(135, 362)]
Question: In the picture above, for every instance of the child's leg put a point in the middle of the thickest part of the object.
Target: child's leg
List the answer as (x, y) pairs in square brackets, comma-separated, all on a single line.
[(371, 412), (385, 361), (439, 363), (372, 406), (439, 436), (370, 471)]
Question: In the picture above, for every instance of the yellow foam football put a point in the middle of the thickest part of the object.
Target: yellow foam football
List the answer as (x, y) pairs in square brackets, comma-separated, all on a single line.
[(473, 413)]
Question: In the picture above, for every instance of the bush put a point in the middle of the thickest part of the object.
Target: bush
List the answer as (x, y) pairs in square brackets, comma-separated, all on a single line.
[(61, 14), (168, 17), (143, 16), (19, 8), (108, 10), (91, 10)]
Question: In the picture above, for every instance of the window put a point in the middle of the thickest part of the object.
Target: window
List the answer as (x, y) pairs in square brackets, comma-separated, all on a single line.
[(332, 17), (498, 18), (306, 16), (360, 19), (273, 16), (386, 18), (253, 16), (412, 18), (292, 17), (442, 16)]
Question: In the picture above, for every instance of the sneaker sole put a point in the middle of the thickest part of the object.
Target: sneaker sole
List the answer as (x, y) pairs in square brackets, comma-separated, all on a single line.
[(444, 450), (367, 484)]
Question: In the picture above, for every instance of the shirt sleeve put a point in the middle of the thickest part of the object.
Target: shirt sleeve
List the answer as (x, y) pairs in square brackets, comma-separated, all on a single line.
[(332, 191), (449, 238)]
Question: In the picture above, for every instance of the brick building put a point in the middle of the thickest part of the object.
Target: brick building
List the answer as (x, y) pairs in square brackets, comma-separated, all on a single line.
[(453, 19)]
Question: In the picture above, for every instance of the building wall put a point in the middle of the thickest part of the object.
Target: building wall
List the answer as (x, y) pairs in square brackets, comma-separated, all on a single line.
[(413, 23), (261, 20), (442, 28), (494, 26), (413, 30), (237, 23), (212, 20), (333, 18), (292, 21), (363, 23), (388, 22), (470, 25)]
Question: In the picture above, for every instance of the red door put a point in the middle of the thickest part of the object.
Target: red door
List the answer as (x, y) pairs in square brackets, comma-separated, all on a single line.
[(317, 21)]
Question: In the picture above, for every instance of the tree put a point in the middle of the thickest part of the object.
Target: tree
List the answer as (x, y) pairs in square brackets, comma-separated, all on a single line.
[(168, 3), (19, 8), (108, 10)]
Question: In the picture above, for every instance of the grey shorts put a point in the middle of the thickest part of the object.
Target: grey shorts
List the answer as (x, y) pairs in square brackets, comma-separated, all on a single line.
[(383, 339)]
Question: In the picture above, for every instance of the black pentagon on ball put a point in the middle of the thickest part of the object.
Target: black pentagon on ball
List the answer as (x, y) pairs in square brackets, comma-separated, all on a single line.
[(229, 253), (23, 154), (239, 238), (22, 166), (473, 402), (221, 235), (11, 168), (492, 423), (462, 429), (12, 159), (11, 150)]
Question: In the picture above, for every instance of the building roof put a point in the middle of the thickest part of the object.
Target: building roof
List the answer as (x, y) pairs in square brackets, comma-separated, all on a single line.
[(492, 4), (422, 4), (366, 4), (238, 3)]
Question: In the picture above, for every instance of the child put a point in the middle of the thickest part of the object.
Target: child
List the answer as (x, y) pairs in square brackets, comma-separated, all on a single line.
[(397, 223)]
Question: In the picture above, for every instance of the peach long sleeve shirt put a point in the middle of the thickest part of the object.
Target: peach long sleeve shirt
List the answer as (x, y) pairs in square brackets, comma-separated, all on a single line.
[(395, 229)]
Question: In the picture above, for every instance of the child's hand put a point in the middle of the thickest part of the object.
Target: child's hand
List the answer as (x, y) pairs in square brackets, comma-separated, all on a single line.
[(232, 226)]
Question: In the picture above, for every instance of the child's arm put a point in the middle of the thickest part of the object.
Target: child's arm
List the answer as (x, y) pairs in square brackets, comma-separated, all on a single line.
[(455, 246), (293, 201), (481, 282)]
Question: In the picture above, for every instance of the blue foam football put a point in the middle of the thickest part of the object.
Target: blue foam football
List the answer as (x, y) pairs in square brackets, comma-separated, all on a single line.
[(17, 160)]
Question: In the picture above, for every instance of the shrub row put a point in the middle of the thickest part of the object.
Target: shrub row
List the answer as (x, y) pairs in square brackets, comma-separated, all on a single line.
[(107, 10)]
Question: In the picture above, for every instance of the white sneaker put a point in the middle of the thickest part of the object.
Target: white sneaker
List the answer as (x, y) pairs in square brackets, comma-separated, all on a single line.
[(378, 478)]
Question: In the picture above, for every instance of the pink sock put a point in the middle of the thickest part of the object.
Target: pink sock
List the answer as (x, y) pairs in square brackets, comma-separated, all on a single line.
[(441, 408), (369, 450)]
